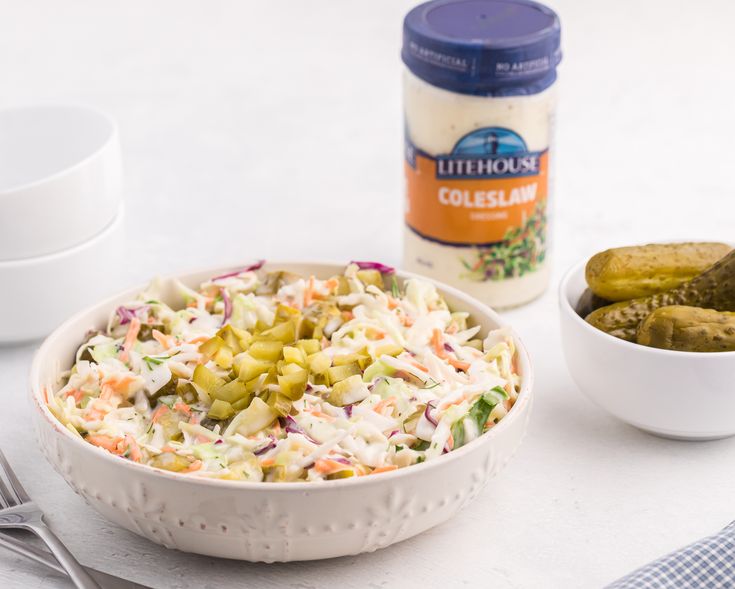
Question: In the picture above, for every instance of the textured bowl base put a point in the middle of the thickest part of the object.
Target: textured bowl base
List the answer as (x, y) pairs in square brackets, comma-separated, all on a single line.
[(684, 437)]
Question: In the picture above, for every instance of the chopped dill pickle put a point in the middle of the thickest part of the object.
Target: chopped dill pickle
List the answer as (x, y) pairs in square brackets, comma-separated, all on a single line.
[(373, 277), (170, 461), (206, 379), (282, 332), (231, 392), (319, 363), (286, 313), (362, 360), (221, 410), (338, 373), (279, 403), (347, 391), (294, 355), (293, 385), (250, 368), (186, 391), (344, 286), (340, 474), (217, 349), (243, 403), (309, 346), (266, 350), (236, 339)]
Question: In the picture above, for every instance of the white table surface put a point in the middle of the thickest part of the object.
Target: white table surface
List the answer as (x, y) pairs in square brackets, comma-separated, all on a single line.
[(249, 127)]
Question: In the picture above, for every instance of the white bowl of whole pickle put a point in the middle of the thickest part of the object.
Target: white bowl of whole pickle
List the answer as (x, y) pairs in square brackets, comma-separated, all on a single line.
[(287, 411), (649, 336)]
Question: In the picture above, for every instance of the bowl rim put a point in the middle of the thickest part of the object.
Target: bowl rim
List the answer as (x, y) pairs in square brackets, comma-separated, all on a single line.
[(567, 308), (111, 137), (36, 390)]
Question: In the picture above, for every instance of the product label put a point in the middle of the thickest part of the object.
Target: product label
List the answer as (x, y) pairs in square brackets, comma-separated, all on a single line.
[(488, 194)]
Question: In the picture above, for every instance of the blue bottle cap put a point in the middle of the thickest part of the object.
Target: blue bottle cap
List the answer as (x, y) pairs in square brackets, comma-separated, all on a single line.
[(483, 47)]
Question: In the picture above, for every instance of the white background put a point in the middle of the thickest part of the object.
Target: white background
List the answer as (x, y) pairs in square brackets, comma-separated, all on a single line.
[(273, 129)]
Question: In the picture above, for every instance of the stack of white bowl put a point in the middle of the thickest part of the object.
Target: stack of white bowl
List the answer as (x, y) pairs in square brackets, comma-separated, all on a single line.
[(61, 215)]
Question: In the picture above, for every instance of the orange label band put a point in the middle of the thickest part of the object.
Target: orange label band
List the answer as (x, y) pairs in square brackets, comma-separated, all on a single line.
[(473, 201)]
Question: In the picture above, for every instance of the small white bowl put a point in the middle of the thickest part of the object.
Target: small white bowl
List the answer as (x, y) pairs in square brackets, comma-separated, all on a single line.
[(38, 293), (60, 179), (269, 521), (680, 395)]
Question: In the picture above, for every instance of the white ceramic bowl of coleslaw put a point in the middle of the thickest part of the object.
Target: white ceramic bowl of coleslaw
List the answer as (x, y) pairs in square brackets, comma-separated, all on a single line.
[(271, 521)]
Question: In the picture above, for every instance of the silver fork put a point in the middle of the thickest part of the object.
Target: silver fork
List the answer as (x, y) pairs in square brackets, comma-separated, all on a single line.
[(20, 512)]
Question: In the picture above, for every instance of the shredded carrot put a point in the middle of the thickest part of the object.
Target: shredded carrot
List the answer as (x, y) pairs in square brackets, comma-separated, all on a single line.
[(276, 429), (76, 393), (347, 315), (158, 413), (309, 292), (130, 338), (167, 449), (374, 333), (326, 466), (452, 329), (380, 405), (406, 321), (45, 395), (107, 442), (417, 364), (317, 413), (198, 340), (118, 383), (437, 343), (332, 284), (135, 453), (392, 303), (267, 462), (166, 341), (386, 468), (182, 408), (458, 364), (196, 465), (450, 441), (202, 439)]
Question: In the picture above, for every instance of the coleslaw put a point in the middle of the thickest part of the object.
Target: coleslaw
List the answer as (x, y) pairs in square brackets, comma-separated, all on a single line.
[(277, 377)]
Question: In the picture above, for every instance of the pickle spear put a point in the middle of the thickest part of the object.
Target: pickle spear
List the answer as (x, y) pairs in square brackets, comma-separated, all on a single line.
[(713, 289), (688, 329), (625, 273)]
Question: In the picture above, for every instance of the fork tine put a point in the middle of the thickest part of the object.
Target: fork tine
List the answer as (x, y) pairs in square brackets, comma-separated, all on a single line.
[(17, 492), (7, 498)]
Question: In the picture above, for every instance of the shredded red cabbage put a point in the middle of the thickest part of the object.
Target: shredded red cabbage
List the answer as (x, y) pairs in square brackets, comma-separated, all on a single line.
[(295, 428), (257, 266), (269, 446), (427, 414), (348, 410), (126, 315), (228, 306), (374, 266)]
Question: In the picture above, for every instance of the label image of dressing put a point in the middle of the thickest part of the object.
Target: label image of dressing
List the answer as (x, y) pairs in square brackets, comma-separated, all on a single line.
[(487, 198)]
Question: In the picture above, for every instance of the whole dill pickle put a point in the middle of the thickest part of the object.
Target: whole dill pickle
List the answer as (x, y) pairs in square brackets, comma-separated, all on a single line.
[(589, 302), (713, 289), (688, 329), (625, 273)]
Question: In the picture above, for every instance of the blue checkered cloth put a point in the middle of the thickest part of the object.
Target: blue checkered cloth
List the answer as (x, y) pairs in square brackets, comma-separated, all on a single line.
[(706, 564)]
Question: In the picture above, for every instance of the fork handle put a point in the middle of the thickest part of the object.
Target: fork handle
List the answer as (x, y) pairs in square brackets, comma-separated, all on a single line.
[(76, 572)]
